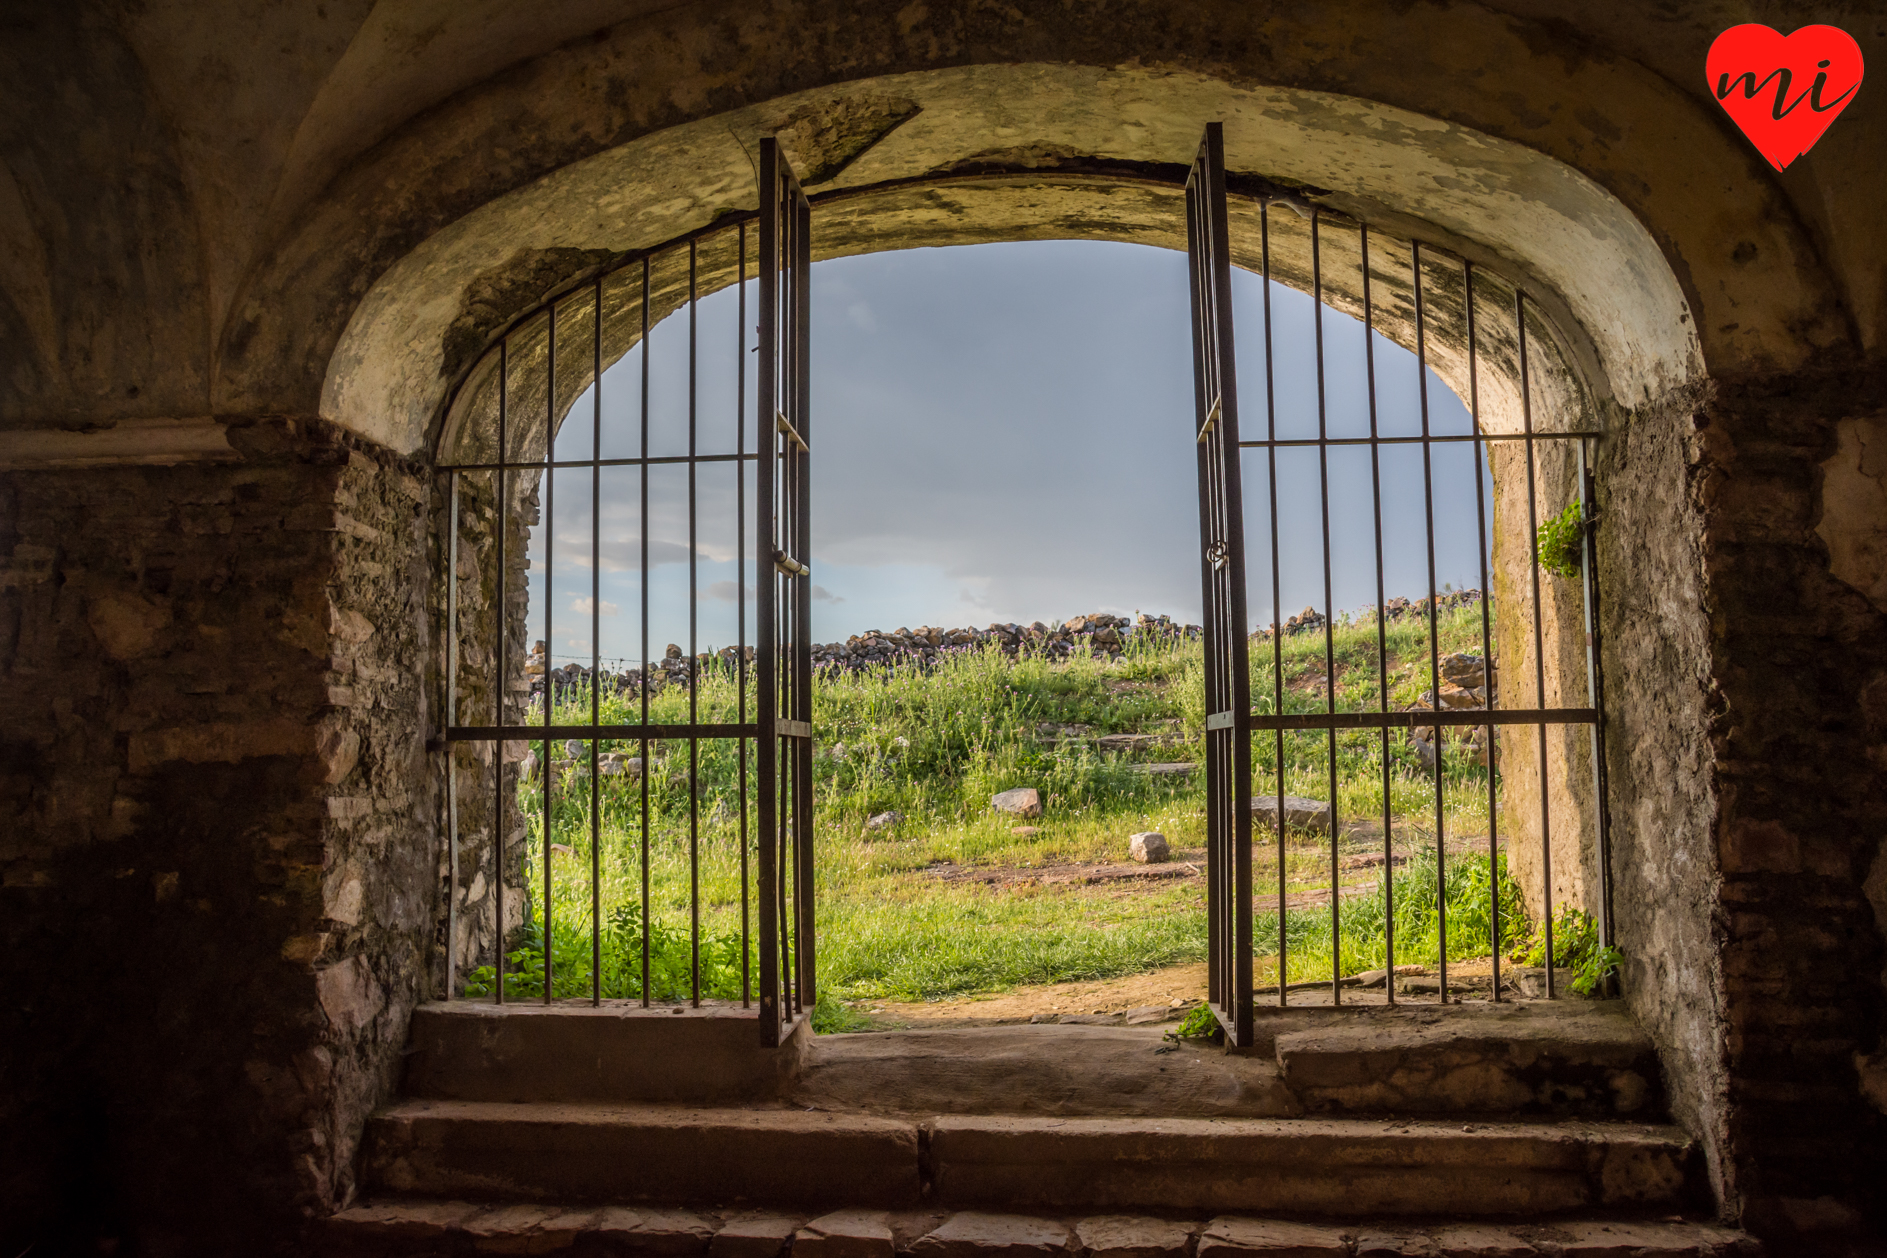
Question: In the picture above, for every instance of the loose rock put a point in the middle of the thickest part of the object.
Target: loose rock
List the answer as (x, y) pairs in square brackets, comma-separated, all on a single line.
[(1023, 801), (1149, 848), (1300, 813), (883, 820)]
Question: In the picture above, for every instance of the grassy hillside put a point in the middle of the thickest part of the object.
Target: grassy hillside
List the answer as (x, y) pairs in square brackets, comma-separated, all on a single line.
[(951, 899)]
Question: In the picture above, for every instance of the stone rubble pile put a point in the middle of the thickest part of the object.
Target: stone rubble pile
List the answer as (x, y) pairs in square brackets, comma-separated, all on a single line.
[(1099, 635), (1311, 620), (1467, 681)]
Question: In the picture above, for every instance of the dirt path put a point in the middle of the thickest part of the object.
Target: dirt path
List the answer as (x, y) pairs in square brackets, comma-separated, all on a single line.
[(1176, 987), (1183, 983)]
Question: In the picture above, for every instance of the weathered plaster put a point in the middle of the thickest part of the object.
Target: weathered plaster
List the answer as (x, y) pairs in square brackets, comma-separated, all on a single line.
[(1854, 507), (1545, 222)]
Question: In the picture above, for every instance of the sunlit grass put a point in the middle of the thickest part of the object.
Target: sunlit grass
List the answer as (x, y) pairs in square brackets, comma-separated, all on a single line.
[(934, 746)]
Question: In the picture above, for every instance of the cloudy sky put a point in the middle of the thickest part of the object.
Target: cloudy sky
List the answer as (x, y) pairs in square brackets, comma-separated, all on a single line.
[(1004, 432)]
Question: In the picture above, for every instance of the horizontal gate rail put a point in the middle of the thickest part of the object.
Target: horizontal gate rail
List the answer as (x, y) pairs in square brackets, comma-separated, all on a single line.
[(538, 465), (1436, 439), (583, 733), (1450, 717)]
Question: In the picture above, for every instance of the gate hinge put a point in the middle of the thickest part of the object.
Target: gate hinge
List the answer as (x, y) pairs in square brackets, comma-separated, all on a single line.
[(789, 565)]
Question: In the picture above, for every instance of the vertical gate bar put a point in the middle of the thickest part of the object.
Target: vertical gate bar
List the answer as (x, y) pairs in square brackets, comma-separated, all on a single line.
[(642, 526), (783, 617), (550, 533), (1223, 586), (1382, 629), (1487, 640), (498, 674), (1595, 693), (1202, 402), (740, 595), (1539, 642), (1330, 610), (1277, 587), (694, 650), (596, 648), (1434, 630), (804, 885), (452, 718), (766, 745)]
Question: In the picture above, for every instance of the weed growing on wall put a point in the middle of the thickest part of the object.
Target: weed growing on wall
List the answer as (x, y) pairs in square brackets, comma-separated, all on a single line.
[(1562, 542)]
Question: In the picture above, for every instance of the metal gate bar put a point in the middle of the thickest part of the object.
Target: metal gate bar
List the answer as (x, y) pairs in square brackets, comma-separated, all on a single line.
[(1222, 578)]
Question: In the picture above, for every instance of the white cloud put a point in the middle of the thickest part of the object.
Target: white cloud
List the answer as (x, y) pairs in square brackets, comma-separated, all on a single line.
[(582, 606)]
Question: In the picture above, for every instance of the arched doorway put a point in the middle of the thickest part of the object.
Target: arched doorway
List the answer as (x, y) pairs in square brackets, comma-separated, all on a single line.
[(506, 442)]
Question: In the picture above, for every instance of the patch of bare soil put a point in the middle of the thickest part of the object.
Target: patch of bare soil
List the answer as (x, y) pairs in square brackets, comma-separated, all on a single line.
[(1176, 988), (1166, 996)]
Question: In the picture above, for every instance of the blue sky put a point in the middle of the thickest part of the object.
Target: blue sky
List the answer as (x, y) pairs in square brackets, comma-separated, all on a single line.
[(1004, 432)]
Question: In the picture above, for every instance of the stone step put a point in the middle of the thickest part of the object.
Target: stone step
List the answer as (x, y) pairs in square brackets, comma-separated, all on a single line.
[(1527, 1058), (792, 1157), (396, 1228), (1563, 1058), (1067, 1070), (640, 1153), (618, 1052)]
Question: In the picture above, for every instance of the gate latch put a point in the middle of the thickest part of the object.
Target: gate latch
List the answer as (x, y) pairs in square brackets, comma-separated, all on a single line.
[(1218, 554)]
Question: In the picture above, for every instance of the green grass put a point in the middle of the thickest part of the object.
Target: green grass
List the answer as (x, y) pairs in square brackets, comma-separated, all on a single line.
[(935, 746)]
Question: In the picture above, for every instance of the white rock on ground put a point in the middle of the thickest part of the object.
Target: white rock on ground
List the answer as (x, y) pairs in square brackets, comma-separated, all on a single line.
[(1299, 813), (883, 820), (1024, 801), (1149, 848)]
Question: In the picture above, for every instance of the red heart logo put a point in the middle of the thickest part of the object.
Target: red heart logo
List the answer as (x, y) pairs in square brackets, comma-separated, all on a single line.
[(1783, 91)]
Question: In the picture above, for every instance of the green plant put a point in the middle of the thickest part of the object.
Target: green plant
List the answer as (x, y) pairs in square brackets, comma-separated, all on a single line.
[(1576, 948), (671, 962), (1562, 541), (1463, 895), (1200, 1024), (832, 1017), (1600, 966)]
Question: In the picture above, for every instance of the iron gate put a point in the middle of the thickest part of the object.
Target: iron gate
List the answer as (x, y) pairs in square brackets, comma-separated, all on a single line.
[(514, 440), (501, 460), (1231, 723), (785, 660)]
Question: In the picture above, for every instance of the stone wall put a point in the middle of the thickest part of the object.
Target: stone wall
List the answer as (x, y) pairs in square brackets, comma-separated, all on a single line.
[(218, 867), (1748, 736)]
